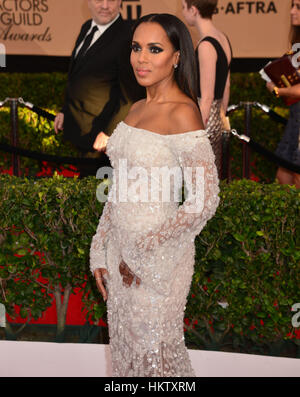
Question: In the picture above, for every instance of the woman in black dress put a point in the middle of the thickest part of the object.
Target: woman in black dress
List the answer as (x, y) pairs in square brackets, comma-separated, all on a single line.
[(213, 57)]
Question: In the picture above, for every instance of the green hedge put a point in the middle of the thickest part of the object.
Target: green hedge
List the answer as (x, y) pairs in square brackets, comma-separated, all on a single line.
[(247, 257), (42, 89), (47, 91), (45, 234)]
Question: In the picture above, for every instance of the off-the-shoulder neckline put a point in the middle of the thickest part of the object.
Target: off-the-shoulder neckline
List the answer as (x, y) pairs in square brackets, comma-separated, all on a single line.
[(156, 133)]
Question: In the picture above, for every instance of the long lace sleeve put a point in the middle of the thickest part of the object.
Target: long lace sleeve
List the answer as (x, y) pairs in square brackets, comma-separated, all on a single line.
[(201, 184), (98, 245)]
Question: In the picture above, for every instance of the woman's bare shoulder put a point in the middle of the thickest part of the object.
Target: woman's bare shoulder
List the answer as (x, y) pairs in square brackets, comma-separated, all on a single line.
[(205, 48), (134, 110), (138, 104), (186, 117)]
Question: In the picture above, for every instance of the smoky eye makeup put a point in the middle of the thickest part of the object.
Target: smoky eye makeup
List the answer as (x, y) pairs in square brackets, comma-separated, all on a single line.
[(154, 49), (135, 47)]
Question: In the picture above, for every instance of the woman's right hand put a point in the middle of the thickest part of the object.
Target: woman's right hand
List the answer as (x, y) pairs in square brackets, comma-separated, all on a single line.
[(101, 142), (100, 277)]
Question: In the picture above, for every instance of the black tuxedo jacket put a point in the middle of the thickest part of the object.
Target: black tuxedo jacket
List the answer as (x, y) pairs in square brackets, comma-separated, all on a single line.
[(101, 86)]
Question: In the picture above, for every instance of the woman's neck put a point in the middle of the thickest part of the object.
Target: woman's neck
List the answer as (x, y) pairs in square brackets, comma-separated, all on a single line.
[(162, 92), (204, 26)]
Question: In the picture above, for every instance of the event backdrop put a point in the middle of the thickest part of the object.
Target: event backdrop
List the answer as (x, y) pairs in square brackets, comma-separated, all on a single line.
[(256, 29)]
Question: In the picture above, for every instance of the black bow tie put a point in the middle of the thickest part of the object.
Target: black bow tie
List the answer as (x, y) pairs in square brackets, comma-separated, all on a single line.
[(86, 43)]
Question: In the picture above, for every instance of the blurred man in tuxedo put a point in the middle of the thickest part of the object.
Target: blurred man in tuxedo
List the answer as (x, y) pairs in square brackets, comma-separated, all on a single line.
[(101, 85)]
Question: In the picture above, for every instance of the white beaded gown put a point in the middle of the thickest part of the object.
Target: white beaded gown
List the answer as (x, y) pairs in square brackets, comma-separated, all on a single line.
[(153, 232)]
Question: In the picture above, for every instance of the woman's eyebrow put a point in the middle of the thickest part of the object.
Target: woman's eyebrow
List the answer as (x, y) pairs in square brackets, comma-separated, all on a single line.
[(149, 44), (155, 44)]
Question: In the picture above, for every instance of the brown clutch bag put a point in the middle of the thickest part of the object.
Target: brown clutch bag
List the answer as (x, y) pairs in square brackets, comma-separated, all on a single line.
[(283, 74)]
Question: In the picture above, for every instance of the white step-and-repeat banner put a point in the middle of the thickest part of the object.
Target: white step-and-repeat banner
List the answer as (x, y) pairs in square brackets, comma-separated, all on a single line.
[(50, 27)]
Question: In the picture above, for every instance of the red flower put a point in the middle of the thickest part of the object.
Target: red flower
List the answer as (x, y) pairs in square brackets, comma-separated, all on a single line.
[(297, 333), (102, 323), (9, 171), (290, 335), (68, 173), (254, 178)]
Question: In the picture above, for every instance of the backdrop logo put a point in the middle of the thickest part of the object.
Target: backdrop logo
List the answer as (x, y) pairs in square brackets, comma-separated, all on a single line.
[(2, 56), (23, 20), (246, 7), (131, 9)]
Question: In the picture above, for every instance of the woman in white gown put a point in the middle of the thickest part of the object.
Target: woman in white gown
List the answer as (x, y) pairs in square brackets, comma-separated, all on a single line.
[(142, 255)]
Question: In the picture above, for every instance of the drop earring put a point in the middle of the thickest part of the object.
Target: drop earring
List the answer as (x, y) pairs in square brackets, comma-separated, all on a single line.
[(176, 64)]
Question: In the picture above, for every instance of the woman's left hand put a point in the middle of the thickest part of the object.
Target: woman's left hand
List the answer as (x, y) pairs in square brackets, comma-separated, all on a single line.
[(128, 275)]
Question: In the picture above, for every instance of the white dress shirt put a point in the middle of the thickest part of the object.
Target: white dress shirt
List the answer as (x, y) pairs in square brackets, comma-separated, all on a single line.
[(98, 33)]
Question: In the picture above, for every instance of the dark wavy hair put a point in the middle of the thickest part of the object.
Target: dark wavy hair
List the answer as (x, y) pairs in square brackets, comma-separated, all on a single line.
[(179, 36), (206, 8)]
